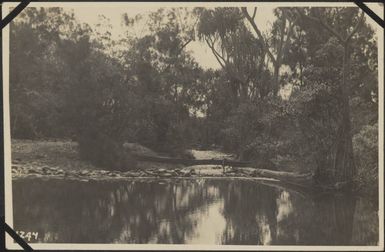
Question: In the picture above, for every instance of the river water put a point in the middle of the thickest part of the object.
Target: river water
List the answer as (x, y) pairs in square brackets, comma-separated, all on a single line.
[(188, 211)]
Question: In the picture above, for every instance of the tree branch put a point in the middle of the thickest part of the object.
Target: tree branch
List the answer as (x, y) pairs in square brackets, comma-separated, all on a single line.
[(255, 27), (254, 13), (216, 54), (281, 39)]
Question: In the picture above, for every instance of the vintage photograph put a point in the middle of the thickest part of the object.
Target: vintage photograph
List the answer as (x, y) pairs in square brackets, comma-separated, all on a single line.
[(205, 124)]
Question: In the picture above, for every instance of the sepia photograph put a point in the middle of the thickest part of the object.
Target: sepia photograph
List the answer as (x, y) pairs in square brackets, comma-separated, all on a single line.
[(194, 126)]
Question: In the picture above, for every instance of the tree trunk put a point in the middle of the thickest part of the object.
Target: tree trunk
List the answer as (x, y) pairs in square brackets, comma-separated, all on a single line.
[(276, 79), (344, 168)]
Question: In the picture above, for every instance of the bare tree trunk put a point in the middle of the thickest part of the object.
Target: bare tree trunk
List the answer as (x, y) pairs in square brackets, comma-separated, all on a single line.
[(344, 168), (276, 79)]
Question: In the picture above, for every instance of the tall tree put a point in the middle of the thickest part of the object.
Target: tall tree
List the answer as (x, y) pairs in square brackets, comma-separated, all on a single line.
[(235, 49), (282, 32), (344, 167)]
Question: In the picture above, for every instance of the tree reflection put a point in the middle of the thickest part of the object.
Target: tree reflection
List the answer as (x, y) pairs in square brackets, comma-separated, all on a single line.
[(326, 220), (119, 212), (250, 212), (172, 211)]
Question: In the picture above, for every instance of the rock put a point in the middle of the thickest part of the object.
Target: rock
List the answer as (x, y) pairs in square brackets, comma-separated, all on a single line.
[(113, 174), (60, 171), (84, 172), (16, 160), (149, 173), (32, 171), (185, 173), (161, 170), (127, 174), (166, 175)]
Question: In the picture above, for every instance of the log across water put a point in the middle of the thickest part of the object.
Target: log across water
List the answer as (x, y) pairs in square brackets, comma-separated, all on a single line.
[(284, 176), (303, 180), (193, 161)]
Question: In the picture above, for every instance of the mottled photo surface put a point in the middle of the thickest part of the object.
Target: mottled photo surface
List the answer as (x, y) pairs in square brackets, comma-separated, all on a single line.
[(194, 126)]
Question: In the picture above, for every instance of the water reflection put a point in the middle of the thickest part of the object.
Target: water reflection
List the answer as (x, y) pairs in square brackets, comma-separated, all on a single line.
[(211, 211)]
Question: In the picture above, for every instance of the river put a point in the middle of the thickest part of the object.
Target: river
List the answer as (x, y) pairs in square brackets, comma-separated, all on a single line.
[(188, 211)]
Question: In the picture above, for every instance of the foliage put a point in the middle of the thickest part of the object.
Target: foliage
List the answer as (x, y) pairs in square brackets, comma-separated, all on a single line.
[(365, 145), (68, 80)]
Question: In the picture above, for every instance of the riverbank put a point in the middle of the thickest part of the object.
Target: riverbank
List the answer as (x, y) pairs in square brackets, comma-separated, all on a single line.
[(60, 159)]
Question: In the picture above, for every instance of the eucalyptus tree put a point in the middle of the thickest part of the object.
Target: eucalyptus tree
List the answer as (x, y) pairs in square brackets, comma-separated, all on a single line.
[(342, 24), (235, 49), (164, 74), (280, 35)]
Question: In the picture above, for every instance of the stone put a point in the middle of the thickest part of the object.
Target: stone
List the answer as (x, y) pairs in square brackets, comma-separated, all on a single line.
[(162, 170), (16, 160), (39, 156), (166, 175), (149, 173), (126, 174), (83, 172), (32, 171), (185, 173)]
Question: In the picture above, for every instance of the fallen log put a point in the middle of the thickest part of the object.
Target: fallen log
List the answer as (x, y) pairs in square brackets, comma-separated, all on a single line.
[(302, 180), (299, 179), (189, 162)]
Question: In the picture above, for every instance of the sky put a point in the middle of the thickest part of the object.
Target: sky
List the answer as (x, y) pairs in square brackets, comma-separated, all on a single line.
[(200, 51), (87, 13)]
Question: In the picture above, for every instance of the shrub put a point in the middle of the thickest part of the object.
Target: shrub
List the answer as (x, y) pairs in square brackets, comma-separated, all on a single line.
[(103, 151), (365, 144)]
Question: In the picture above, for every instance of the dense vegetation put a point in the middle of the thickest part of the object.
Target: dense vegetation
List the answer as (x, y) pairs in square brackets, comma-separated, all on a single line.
[(301, 96)]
